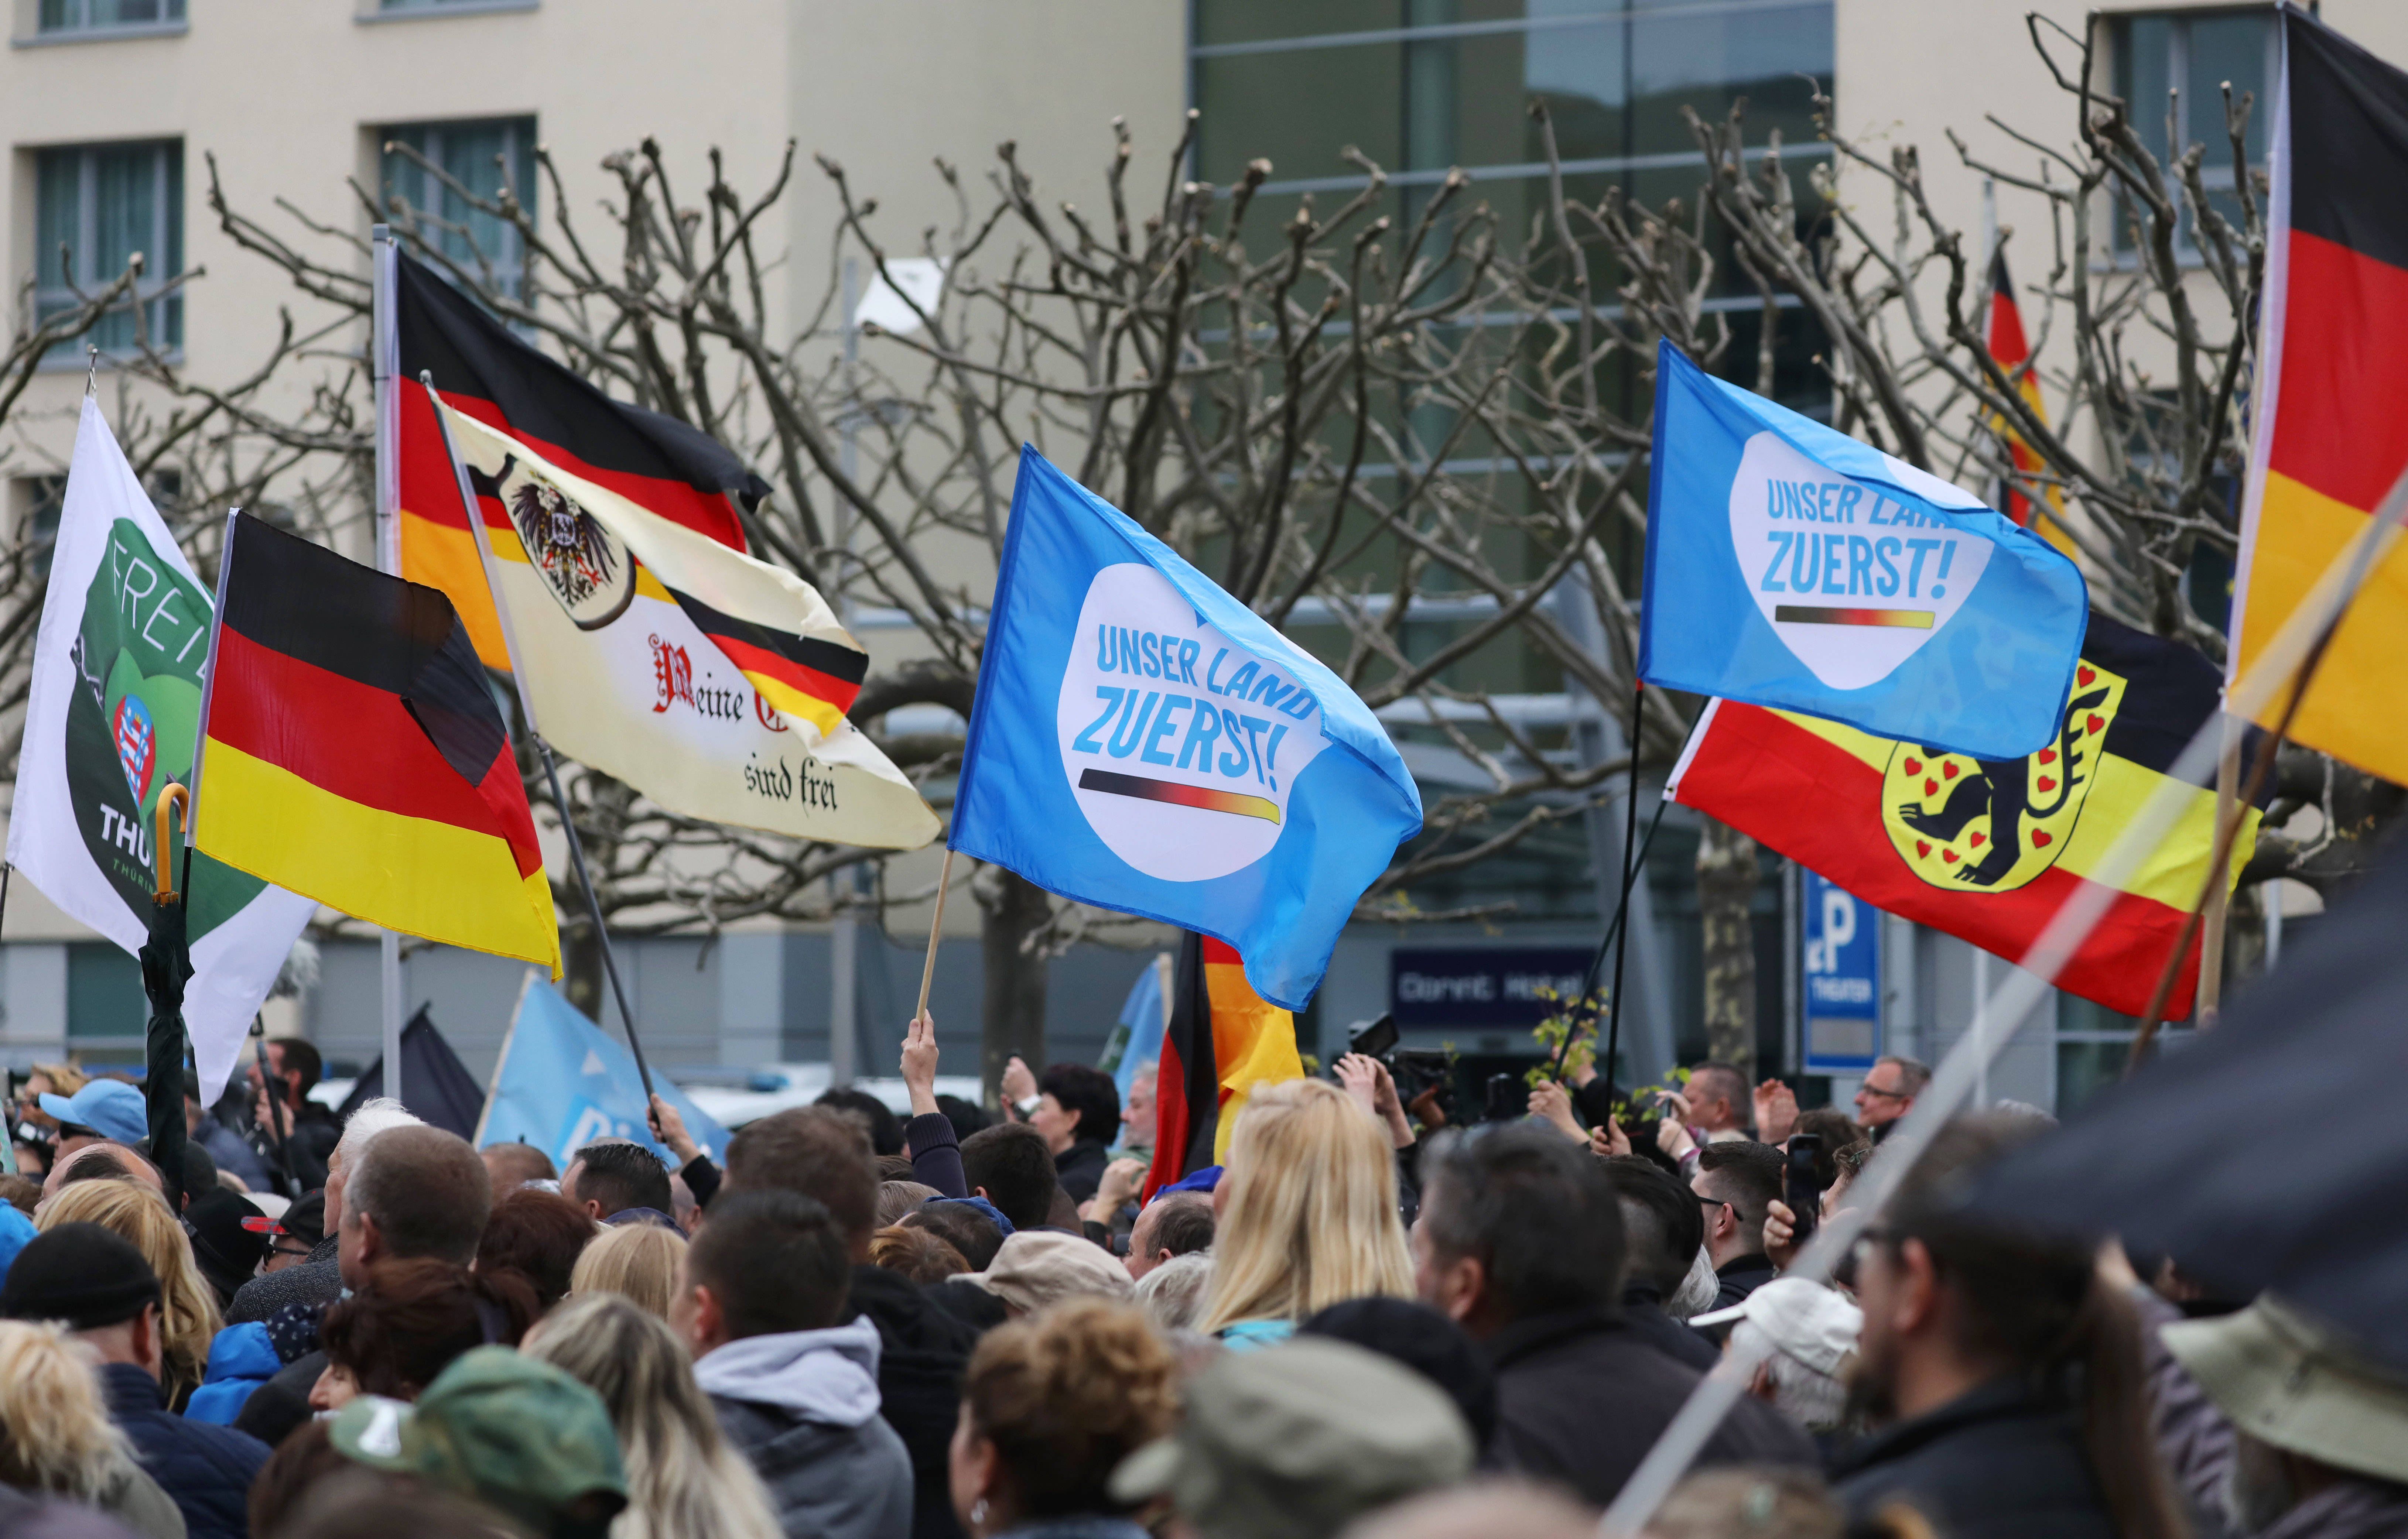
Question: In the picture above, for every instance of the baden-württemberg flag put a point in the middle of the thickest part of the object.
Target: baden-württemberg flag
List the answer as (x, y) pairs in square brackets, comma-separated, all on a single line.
[(713, 683), (1791, 566), (1143, 742), (113, 711), (351, 751), (2330, 423)]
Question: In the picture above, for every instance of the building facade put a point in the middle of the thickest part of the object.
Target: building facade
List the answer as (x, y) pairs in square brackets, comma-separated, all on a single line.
[(122, 116)]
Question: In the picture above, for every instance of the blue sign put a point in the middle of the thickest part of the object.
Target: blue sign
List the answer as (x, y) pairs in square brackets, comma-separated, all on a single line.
[(1467, 986), (1843, 986), (1790, 566)]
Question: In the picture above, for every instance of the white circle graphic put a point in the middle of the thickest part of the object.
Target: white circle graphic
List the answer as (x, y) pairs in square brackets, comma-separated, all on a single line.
[(1180, 745)]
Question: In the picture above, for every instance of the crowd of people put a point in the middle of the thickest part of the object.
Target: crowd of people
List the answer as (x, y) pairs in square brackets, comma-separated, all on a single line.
[(866, 1326)]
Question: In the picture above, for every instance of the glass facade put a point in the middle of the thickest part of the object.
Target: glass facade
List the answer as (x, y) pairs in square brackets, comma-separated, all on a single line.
[(95, 207), (482, 156)]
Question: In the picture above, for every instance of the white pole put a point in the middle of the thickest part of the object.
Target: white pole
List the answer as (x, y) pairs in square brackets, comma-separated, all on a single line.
[(2273, 905), (844, 937), (385, 349), (1982, 1026)]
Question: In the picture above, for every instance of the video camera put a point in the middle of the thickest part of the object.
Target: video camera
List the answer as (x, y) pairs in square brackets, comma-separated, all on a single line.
[(1416, 1070)]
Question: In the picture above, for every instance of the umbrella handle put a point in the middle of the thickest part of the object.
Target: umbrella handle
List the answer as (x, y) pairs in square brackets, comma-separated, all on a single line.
[(171, 796)]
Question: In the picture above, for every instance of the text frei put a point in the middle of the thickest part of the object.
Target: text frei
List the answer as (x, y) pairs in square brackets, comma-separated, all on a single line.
[(1879, 565), (1175, 730)]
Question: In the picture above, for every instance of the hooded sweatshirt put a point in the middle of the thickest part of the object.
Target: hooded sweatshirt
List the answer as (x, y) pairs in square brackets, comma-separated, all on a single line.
[(802, 1405)]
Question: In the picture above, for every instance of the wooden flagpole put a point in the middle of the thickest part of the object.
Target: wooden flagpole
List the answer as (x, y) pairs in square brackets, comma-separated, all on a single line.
[(936, 932)]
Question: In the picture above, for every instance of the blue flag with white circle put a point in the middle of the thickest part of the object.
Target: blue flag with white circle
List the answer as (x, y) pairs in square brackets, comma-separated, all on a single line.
[(1143, 742), (1789, 565)]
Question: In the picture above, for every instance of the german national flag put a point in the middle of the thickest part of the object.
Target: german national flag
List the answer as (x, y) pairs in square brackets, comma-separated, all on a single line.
[(2011, 351), (1988, 850), (352, 752), (2331, 432), (1221, 1040), (658, 463)]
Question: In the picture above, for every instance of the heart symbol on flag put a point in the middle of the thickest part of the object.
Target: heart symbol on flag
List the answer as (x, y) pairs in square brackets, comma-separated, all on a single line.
[(1948, 771), (2085, 674), (1949, 856), (1923, 846), (1914, 766), (2046, 783), (1828, 562), (2041, 839), (2097, 723), (1930, 788), (1976, 840), (2047, 755)]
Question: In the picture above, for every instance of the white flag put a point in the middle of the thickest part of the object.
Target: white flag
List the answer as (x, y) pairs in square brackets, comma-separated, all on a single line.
[(112, 716), (617, 673)]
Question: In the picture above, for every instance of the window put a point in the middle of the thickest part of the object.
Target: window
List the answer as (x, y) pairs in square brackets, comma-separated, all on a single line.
[(57, 16), (484, 157), (2171, 69), (96, 205)]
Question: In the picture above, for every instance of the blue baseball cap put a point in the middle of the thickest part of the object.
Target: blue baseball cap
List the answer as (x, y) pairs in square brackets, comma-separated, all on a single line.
[(109, 1107)]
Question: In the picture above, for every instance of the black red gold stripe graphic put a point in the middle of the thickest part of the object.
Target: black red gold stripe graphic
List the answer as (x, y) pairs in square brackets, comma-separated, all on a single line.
[(1807, 614), (1176, 794)]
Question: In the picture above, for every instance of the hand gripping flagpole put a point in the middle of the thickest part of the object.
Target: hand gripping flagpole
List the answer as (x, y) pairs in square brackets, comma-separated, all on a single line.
[(534, 735), (2283, 665)]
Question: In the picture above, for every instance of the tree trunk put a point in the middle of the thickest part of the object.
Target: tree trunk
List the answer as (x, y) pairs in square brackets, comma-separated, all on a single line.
[(1014, 1018), (1727, 878)]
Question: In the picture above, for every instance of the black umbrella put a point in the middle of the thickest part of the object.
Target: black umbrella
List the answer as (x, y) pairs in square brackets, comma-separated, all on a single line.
[(167, 967), (2269, 1154), (435, 1085)]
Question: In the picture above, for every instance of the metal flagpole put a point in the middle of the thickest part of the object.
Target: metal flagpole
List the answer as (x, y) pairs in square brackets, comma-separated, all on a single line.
[(385, 349), (534, 735), (1629, 866), (844, 932), (2220, 895)]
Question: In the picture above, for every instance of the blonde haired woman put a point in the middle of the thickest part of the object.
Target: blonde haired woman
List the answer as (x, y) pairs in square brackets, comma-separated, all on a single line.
[(1307, 1212), (56, 1438), (685, 1481), (188, 1309), (639, 1262)]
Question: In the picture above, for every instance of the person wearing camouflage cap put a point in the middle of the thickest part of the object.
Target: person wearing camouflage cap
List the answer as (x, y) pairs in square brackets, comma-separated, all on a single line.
[(1296, 1441), (518, 1435)]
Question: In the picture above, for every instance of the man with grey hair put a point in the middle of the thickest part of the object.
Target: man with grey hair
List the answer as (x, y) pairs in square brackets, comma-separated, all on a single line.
[(413, 1192), (1888, 1092), (320, 1279)]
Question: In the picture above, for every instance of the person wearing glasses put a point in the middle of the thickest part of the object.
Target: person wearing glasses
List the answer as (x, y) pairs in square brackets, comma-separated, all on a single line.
[(1888, 1090)]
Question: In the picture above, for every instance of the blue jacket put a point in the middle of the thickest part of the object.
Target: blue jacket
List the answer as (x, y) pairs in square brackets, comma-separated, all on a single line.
[(208, 1470), (241, 1358)]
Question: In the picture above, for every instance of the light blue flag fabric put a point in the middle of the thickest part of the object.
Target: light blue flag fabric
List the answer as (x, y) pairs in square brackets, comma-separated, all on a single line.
[(562, 1083), (1143, 742), (1140, 1028), (1790, 565)]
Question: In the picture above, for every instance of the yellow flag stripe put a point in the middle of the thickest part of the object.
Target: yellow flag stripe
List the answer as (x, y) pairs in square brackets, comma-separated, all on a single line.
[(1253, 1042), (416, 875), (441, 556), (2353, 710), (791, 701)]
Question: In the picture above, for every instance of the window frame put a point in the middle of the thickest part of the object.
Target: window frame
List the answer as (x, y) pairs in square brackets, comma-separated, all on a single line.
[(2216, 172), (509, 266)]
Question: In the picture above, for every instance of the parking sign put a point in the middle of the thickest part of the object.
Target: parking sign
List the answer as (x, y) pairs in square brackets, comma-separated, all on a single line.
[(1842, 970)]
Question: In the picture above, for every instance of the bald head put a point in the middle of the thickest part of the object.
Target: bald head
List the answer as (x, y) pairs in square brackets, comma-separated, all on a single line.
[(414, 1191)]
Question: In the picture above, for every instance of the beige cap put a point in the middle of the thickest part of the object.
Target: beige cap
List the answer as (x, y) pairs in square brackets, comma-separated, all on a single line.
[(1040, 1266), (2288, 1379)]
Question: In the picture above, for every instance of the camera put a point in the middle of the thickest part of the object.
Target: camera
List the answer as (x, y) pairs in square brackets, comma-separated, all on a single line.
[(1414, 1070)]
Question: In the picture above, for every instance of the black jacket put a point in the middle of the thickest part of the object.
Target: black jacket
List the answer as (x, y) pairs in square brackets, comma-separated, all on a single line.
[(1643, 1310), (1990, 1465), (1080, 1168), (208, 1470), (924, 1346), (309, 1140), (1581, 1397), (1742, 1276), (282, 1403)]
